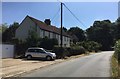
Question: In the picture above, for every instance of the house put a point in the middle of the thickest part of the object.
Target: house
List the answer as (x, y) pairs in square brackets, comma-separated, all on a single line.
[(73, 38), (43, 29)]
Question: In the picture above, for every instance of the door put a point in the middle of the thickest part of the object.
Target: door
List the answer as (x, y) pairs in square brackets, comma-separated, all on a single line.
[(40, 53)]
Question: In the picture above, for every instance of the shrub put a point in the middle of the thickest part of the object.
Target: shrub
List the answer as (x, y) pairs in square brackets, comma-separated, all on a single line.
[(90, 45), (117, 50), (68, 51), (60, 52), (76, 50), (22, 46), (20, 49), (48, 43)]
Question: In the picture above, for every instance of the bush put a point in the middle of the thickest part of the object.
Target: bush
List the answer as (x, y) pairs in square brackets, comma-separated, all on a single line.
[(90, 45), (76, 50), (60, 52), (48, 43), (68, 51), (20, 49), (22, 46), (117, 50)]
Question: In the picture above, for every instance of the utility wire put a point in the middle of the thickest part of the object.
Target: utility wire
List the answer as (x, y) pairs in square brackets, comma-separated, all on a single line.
[(74, 16), (55, 14)]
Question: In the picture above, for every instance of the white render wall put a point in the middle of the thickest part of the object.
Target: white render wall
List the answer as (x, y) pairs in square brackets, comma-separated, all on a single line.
[(66, 40), (25, 27), (7, 51), (47, 34)]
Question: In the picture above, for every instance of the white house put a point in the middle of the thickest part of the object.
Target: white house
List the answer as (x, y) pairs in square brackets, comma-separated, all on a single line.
[(42, 28)]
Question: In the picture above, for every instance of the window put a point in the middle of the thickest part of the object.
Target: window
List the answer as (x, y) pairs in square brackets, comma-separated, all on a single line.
[(64, 38), (36, 50), (54, 35), (49, 34), (40, 51), (31, 50)]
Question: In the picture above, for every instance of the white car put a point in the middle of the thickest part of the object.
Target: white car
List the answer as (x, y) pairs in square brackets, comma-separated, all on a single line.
[(39, 52)]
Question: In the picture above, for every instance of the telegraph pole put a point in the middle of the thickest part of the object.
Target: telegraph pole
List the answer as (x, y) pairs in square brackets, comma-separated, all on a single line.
[(61, 25)]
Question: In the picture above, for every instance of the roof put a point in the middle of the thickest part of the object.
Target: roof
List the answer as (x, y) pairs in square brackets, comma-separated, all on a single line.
[(74, 37), (46, 27)]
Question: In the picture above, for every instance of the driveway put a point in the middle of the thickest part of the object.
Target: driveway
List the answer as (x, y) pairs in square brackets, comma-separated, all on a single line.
[(14, 67), (95, 65), (11, 67)]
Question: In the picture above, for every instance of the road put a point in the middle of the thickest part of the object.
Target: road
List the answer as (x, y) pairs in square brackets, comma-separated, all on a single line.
[(95, 65)]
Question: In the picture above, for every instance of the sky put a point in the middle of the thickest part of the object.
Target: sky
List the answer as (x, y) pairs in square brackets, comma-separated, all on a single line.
[(86, 12)]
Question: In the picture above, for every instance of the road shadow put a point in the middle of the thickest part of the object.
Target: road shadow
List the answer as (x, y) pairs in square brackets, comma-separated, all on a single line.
[(34, 59)]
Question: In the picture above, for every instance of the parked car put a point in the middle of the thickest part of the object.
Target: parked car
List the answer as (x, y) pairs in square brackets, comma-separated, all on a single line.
[(39, 52)]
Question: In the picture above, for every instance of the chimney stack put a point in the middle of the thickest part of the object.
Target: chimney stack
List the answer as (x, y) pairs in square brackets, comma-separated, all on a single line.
[(47, 21)]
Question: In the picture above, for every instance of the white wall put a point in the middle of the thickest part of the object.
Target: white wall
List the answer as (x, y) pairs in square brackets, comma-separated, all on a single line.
[(7, 51), (23, 30)]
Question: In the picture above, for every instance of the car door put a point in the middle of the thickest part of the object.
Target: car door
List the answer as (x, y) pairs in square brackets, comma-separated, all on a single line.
[(41, 53), (32, 52)]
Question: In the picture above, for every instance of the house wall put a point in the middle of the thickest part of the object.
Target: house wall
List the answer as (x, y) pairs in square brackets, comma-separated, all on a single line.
[(23, 30), (41, 33), (51, 35), (27, 25), (7, 51), (47, 34), (66, 40)]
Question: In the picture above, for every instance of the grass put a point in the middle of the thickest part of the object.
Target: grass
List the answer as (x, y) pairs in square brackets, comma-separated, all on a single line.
[(115, 68)]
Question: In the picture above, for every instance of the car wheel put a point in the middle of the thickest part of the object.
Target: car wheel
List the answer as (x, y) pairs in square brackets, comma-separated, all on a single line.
[(48, 58), (29, 57)]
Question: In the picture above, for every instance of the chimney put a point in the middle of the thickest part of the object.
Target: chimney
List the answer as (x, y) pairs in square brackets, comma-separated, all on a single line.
[(47, 21)]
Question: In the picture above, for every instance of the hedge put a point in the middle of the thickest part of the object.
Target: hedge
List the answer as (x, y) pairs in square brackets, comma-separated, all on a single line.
[(68, 51), (90, 45), (117, 50)]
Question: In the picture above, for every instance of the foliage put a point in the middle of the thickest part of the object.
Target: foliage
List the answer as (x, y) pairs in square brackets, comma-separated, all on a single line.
[(115, 62), (48, 43), (65, 29), (76, 50), (3, 27), (9, 33), (117, 50), (60, 52), (68, 51), (20, 48), (117, 29), (101, 32), (115, 68), (90, 45), (77, 32), (33, 40)]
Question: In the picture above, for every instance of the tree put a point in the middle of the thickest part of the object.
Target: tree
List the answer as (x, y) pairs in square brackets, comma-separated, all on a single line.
[(3, 27), (48, 43), (33, 39), (9, 34), (101, 32), (65, 29), (117, 29), (79, 33)]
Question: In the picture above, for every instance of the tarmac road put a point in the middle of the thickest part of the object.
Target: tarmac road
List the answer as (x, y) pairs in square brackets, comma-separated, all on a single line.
[(94, 65)]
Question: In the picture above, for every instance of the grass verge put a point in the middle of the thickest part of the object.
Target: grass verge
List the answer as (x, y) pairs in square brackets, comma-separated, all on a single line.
[(115, 68)]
